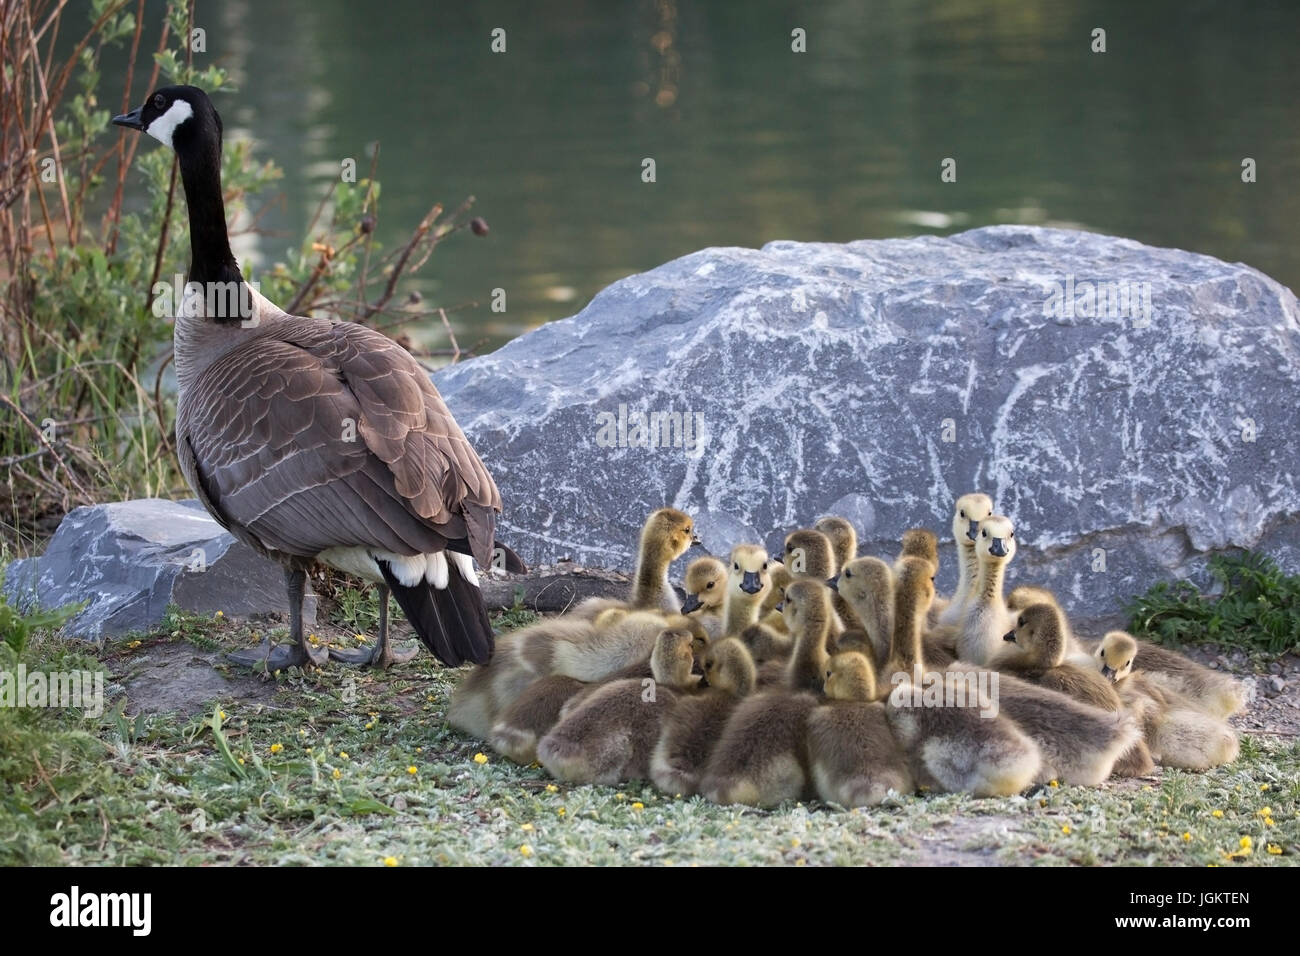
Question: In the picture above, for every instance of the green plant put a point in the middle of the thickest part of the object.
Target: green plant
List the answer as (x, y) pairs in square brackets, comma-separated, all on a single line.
[(16, 627), (1256, 607)]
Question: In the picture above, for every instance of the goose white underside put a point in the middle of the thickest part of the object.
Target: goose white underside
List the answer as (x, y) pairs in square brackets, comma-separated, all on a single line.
[(409, 569)]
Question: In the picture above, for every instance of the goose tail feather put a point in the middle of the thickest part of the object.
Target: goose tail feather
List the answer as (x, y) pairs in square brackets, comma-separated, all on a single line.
[(451, 621)]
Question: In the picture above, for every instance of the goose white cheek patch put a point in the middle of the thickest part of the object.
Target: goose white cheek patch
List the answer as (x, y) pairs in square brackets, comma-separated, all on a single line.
[(164, 126)]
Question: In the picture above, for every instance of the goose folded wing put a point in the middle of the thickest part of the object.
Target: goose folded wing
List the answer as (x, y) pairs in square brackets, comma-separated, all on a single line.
[(331, 435)]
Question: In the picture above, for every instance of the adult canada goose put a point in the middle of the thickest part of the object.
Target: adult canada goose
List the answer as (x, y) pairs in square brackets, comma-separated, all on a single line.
[(314, 440)]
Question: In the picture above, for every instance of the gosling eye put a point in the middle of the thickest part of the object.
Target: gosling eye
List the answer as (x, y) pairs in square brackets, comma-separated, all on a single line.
[(848, 573), (1020, 623), (1126, 665), (709, 666), (736, 565), (984, 534), (764, 565), (709, 586), (1011, 534)]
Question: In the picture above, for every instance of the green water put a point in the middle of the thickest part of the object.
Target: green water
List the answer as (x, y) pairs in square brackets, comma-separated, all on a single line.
[(753, 142)]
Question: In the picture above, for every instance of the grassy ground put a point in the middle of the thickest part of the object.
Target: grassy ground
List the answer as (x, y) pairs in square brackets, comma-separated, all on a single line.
[(344, 766)]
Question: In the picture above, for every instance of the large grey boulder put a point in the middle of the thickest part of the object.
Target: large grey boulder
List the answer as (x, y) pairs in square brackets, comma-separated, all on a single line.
[(883, 378), (131, 559)]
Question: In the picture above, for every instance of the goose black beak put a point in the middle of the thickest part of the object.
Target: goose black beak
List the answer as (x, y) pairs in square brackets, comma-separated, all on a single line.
[(1009, 636), (834, 583), (973, 531), (696, 542), (780, 606), (692, 603), (751, 584), (1108, 672), (130, 120), (997, 548)]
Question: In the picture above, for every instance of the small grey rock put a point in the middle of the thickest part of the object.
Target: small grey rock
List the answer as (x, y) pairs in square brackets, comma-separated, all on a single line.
[(130, 559)]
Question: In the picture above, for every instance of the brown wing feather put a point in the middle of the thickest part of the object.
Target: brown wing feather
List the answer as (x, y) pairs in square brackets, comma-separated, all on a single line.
[(272, 455)]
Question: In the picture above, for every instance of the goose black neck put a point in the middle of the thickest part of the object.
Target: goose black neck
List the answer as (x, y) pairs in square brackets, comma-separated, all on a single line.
[(211, 261)]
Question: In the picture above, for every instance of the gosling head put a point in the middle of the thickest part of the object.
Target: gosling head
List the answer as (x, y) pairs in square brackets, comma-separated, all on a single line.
[(182, 118), (967, 514), (667, 535), (729, 667), (808, 554), (781, 579), (705, 583), (920, 543), (842, 536), (807, 607), (850, 676), (1040, 635), (865, 583), (996, 543), (914, 587), (748, 578), (673, 658), (1115, 655), (1026, 594)]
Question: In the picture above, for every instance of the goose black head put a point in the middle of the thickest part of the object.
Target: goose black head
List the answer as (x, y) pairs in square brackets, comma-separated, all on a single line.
[(181, 117)]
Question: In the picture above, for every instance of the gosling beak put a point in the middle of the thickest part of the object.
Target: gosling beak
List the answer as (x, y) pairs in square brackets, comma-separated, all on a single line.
[(834, 584), (1108, 672), (973, 531), (692, 603), (695, 541), (751, 584), (130, 120), (703, 681), (780, 606), (997, 548), (1009, 636), (778, 558)]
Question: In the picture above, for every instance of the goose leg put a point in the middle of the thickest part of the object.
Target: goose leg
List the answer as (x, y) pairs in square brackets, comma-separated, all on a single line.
[(297, 653), (382, 654)]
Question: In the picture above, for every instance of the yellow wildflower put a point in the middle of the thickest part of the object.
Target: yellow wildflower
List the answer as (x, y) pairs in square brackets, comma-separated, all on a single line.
[(1266, 812), (276, 748), (638, 805), (1274, 849), (1187, 837), (551, 788), (1053, 783), (1217, 813), (390, 861), (1066, 829), (526, 850), (527, 827), (480, 758), (337, 773), (412, 769)]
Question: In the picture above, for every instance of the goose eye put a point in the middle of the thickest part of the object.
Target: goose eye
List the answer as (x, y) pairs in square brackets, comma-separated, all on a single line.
[(1020, 623), (1011, 534), (848, 573), (736, 565), (961, 514), (984, 534), (709, 585), (159, 101), (764, 565)]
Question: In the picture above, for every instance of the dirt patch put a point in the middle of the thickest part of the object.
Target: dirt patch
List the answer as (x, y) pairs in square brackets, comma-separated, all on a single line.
[(178, 677)]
